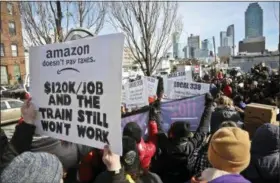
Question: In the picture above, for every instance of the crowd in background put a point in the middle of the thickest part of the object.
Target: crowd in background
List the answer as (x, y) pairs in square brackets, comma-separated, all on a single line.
[(225, 153)]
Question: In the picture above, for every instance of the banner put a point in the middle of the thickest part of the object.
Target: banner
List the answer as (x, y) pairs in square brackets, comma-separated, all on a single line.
[(152, 84), (77, 89), (137, 94), (189, 109), (180, 89), (141, 119)]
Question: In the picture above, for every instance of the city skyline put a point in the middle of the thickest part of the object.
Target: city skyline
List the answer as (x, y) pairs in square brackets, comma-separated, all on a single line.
[(208, 19)]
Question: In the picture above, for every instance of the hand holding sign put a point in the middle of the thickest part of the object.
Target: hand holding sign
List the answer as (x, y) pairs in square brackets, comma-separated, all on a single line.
[(28, 112)]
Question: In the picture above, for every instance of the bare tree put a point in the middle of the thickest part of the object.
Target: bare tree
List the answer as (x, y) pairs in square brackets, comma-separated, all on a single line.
[(90, 15), (47, 22), (38, 22), (152, 22)]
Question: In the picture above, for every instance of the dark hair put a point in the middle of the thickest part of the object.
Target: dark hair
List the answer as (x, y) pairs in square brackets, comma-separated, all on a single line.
[(228, 124), (269, 101), (133, 130)]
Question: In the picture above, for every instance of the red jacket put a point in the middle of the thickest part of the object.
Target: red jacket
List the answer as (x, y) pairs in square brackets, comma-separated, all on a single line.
[(227, 91), (91, 165), (148, 149)]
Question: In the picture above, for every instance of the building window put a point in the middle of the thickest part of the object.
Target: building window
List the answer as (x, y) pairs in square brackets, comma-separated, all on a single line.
[(14, 50), (2, 50), (10, 8), (12, 28)]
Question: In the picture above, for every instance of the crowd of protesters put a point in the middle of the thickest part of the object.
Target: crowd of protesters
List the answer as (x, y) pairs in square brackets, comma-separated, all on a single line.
[(223, 154)]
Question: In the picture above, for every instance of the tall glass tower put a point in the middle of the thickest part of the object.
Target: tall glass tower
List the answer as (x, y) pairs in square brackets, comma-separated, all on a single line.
[(230, 35), (253, 21)]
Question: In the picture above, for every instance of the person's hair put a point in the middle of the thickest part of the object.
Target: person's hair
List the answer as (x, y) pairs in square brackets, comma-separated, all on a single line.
[(225, 101), (269, 101), (228, 124)]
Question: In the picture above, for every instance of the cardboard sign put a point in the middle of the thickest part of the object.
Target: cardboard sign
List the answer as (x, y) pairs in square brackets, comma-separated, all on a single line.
[(152, 84), (137, 95), (180, 89), (77, 88)]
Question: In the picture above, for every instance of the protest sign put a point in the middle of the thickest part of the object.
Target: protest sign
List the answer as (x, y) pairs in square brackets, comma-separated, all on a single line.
[(124, 93), (77, 88), (152, 84), (180, 89), (176, 76), (137, 95), (189, 109)]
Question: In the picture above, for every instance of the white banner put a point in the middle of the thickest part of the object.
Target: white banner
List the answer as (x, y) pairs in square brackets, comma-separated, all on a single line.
[(77, 89), (152, 84), (137, 94), (180, 89)]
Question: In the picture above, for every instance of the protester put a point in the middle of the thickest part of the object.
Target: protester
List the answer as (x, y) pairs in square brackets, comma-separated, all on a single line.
[(224, 154), (265, 155), (22, 137), (175, 149), (227, 89), (146, 149), (17, 165), (127, 168), (225, 111), (32, 168), (199, 160)]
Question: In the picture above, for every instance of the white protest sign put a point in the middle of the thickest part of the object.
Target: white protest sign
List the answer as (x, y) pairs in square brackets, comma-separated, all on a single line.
[(181, 89), (124, 93), (152, 84), (177, 76), (137, 95), (76, 86)]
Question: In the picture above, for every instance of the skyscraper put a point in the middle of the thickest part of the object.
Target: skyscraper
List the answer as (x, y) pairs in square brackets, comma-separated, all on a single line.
[(193, 43), (230, 36), (175, 43), (223, 35), (253, 21)]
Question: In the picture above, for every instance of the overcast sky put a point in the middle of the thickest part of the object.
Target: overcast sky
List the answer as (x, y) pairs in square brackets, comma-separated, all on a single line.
[(207, 19)]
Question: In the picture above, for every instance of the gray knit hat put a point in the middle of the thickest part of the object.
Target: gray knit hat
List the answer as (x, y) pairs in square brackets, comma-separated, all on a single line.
[(33, 168)]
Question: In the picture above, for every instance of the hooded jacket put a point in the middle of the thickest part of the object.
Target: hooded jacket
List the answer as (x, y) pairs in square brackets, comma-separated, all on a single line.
[(265, 161), (20, 142), (222, 114), (172, 163)]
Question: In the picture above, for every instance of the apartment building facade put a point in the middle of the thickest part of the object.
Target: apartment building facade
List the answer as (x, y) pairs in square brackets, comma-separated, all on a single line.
[(12, 48)]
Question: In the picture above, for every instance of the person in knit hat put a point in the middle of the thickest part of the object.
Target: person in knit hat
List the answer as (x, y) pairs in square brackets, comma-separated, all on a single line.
[(229, 154), (127, 168), (33, 168)]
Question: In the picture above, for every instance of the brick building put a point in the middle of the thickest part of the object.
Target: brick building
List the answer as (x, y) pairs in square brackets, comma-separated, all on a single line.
[(12, 48)]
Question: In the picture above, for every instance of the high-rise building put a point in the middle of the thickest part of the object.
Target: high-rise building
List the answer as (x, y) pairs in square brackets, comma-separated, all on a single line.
[(193, 43), (230, 38), (12, 49), (175, 43), (253, 21), (223, 37)]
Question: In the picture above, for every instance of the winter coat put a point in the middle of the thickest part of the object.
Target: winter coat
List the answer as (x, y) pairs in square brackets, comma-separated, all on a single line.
[(265, 156), (20, 142), (172, 162), (222, 114), (147, 149), (110, 177), (212, 175), (227, 91), (91, 164)]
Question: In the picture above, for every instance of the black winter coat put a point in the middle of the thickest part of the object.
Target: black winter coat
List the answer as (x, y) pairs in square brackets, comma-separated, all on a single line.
[(265, 156), (20, 142), (222, 114), (172, 162)]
